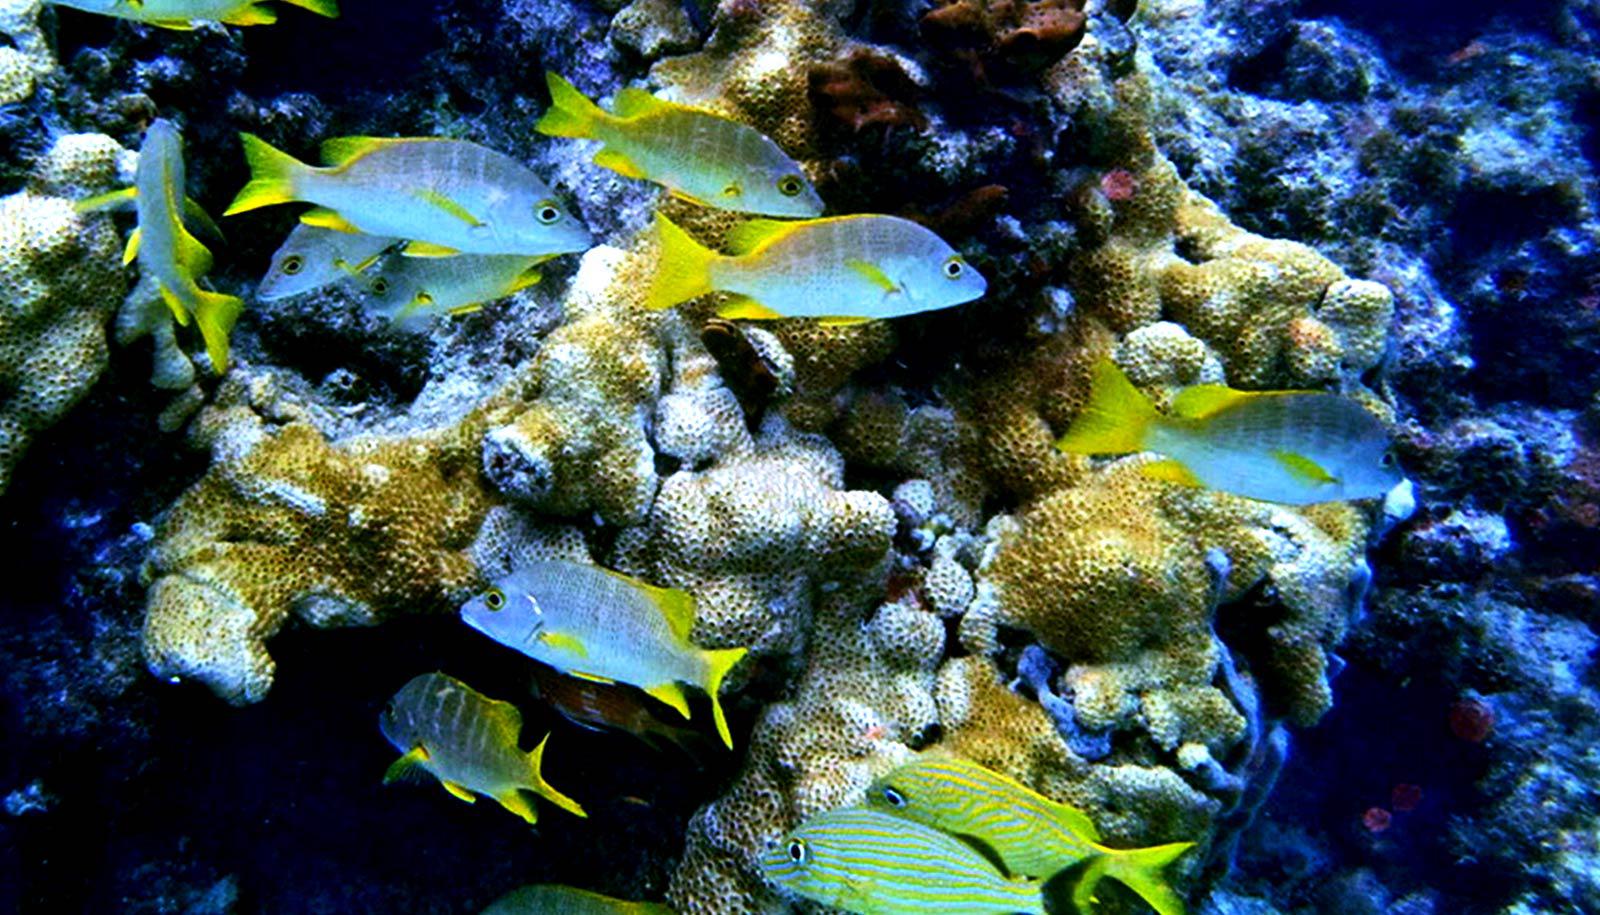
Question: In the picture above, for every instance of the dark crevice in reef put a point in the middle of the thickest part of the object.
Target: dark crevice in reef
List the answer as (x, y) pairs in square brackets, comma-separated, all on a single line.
[(1418, 35)]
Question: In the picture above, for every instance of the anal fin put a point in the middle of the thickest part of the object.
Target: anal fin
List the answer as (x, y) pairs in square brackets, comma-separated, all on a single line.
[(406, 766), (324, 218), (746, 308), (619, 163), (671, 694), (1170, 471), (519, 804)]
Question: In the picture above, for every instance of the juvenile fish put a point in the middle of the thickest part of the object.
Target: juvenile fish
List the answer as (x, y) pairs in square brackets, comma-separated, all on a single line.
[(873, 863), (599, 624), (697, 155), (1032, 835), (549, 899), (447, 196), (183, 14), (410, 287), (313, 257), (844, 269), (168, 255), (1294, 447), (469, 742)]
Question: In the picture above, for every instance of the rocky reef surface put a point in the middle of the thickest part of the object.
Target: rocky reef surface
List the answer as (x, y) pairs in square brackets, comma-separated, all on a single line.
[(1351, 711)]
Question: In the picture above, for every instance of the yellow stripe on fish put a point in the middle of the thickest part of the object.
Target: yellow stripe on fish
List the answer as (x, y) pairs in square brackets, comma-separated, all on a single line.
[(843, 269), (872, 863), (446, 196), (590, 622), (1032, 835), (183, 14), (550, 899), (469, 742), (697, 155), (1294, 447)]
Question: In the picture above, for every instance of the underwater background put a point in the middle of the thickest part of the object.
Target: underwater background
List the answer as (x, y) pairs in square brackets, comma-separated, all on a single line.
[(215, 582)]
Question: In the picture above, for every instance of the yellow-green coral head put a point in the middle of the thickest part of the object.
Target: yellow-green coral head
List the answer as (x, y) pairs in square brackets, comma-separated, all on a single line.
[(872, 863), (697, 155), (469, 742), (594, 623), (183, 14), (1294, 447)]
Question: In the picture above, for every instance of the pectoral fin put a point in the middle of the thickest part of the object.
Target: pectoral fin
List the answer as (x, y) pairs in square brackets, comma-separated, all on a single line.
[(451, 206), (427, 249), (745, 308), (1303, 468), (1170, 471), (562, 641), (112, 201), (460, 791), (671, 694), (132, 250), (520, 805), (406, 766), (873, 274)]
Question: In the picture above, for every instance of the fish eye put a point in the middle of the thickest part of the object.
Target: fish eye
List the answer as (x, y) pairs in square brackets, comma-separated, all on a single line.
[(1387, 460), (953, 268), (380, 286), (293, 264), (547, 212), (798, 852), (790, 185), (895, 798), (494, 599)]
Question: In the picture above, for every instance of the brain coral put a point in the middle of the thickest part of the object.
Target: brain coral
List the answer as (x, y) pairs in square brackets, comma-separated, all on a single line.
[(62, 280)]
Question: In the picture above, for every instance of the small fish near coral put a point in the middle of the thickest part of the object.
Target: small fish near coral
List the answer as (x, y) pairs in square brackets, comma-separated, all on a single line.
[(873, 863), (469, 742), (184, 14), (699, 156), (1293, 447), (408, 288), (844, 270), (313, 257), (444, 196), (602, 625), (169, 256), (1030, 834), (551, 899)]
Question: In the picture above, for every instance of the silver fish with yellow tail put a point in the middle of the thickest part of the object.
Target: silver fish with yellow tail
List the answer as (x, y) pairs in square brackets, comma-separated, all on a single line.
[(1032, 835), (1293, 447), (844, 270), (183, 14), (469, 742), (447, 196), (592, 622), (550, 899), (872, 863), (408, 288), (697, 155)]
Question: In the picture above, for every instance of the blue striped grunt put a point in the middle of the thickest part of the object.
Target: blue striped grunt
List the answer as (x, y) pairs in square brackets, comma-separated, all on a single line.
[(1294, 447), (844, 269), (697, 155), (446, 196), (550, 899), (469, 742), (874, 863), (183, 14), (602, 625), (1032, 835)]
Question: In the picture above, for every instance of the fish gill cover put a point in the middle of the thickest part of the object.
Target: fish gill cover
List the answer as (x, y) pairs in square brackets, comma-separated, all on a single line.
[(1348, 706)]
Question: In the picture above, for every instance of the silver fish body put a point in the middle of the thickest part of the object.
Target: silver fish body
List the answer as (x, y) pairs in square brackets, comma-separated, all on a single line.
[(313, 257)]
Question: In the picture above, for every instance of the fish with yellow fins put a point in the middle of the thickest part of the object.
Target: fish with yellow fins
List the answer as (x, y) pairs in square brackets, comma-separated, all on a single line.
[(469, 742), (844, 269), (1293, 447), (1031, 835), (313, 257), (551, 899), (872, 863), (169, 256), (445, 196), (183, 14), (697, 155), (591, 622), (405, 288)]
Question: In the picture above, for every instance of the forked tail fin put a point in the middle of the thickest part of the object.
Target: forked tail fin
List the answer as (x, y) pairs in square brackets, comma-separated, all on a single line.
[(718, 663), (683, 267), (215, 313), (272, 176), (1116, 419), (1138, 869), (571, 112)]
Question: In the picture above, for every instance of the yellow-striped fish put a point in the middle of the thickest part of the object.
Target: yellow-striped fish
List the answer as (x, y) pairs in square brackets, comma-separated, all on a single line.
[(446, 196), (549, 899), (168, 255), (183, 14), (411, 287), (313, 257), (843, 269), (695, 154), (599, 624), (1294, 447), (469, 742), (872, 863), (1032, 835)]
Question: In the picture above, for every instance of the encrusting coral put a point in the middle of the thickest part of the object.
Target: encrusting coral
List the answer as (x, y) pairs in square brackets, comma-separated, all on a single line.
[(61, 280), (27, 57)]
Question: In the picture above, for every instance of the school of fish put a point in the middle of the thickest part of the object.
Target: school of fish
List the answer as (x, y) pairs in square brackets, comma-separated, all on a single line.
[(426, 226)]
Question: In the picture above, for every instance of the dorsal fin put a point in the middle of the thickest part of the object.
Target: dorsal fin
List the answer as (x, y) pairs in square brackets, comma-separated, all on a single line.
[(1076, 821), (344, 150), (676, 605), (634, 102), (1203, 400), (752, 234), (504, 715)]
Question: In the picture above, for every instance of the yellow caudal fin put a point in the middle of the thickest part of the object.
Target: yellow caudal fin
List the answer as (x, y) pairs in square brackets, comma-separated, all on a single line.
[(329, 8), (216, 313), (683, 267), (272, 176), (1138, 869), (718, 663), (571, 112), (1116, 418), (542, 787)]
